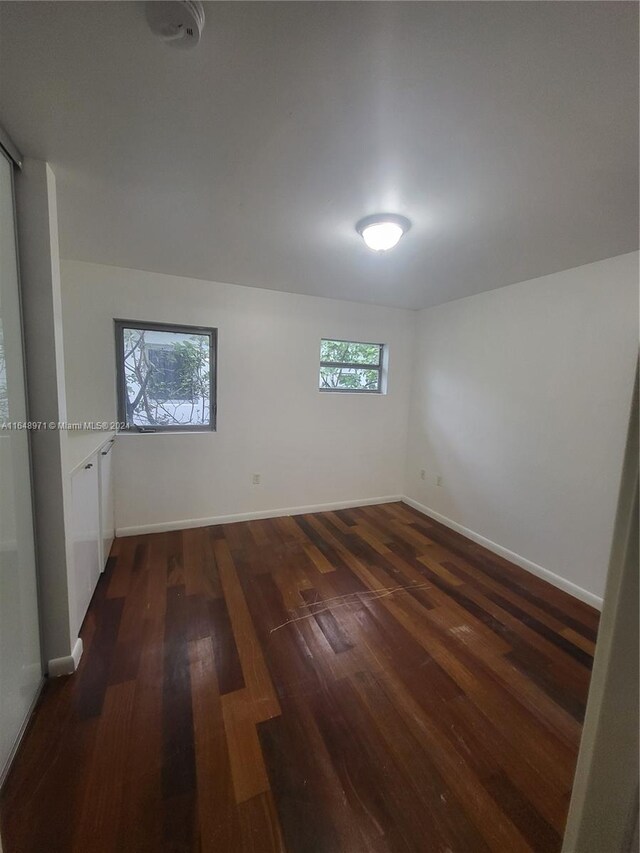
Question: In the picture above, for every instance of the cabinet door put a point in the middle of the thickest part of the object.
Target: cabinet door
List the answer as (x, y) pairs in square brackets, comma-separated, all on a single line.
[(107, 506), (86, 535)]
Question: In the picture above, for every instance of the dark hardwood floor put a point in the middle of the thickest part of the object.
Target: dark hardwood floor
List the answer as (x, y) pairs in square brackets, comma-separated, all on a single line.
[(361, 680)]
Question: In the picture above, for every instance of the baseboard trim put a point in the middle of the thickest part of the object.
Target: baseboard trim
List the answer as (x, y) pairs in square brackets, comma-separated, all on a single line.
[(67, 664), (165, 526), (572, 588)]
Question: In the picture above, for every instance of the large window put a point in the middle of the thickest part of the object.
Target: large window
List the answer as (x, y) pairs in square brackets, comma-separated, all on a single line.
[(351, 366), (166, 376)]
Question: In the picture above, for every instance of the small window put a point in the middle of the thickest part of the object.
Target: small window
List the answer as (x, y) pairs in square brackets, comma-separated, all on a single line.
[(166, 376), (351, 366)]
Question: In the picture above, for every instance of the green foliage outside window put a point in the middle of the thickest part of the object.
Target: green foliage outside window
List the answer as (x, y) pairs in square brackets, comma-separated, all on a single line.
[(350, 366), (167, 378)]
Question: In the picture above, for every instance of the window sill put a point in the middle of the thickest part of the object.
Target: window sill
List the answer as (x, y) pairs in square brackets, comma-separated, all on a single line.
[(135, 433), (345, 392)]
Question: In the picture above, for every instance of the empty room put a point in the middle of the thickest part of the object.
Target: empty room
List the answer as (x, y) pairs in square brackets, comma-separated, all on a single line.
[(319, 334)]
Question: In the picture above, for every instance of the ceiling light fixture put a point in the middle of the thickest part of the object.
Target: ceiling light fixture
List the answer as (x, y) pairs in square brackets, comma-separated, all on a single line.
[(178, 23), (382, 231)]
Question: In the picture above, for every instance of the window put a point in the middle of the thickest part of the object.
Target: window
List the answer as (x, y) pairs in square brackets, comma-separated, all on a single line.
[(351, 366), (166, 376)]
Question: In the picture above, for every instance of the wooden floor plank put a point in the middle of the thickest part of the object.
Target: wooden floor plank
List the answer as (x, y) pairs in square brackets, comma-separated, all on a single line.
[(260, 689), (260, 825), (218, 816), (98, 820), (142, 803), (357, 681)]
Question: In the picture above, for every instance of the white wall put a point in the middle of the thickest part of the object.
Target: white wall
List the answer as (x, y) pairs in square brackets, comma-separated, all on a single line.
[(37, 218), (521, 403), (310, 448)]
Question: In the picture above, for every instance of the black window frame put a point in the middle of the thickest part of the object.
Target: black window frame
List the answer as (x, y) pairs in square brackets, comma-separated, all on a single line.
[(119, 326), (379, 367)]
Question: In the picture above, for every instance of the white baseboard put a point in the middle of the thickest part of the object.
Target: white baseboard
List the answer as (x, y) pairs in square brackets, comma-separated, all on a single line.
[(164, 526), (66, 665), (534, 568)]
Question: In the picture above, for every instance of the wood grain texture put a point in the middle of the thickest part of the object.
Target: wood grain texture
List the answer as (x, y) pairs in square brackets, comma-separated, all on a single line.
[(343, 682)]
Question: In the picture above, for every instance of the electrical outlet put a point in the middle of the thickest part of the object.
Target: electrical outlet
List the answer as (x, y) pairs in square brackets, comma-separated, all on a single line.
[(255, 479), (423, 474), (439, 480)]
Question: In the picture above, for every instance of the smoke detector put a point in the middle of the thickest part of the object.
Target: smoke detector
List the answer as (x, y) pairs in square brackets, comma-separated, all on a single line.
[(178, 23)]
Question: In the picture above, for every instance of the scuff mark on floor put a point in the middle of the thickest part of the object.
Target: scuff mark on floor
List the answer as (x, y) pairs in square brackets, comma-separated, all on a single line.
[(325, 604)]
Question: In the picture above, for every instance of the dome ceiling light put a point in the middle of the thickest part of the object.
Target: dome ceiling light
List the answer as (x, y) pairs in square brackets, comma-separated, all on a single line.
[(382, 231), (178, 23)]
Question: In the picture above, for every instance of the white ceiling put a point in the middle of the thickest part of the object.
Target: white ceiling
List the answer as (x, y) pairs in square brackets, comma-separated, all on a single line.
[(507, 133)]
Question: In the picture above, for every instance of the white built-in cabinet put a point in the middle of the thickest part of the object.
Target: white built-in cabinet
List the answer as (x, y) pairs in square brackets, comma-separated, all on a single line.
[(92, 525), (85, 531), (107, 505)]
